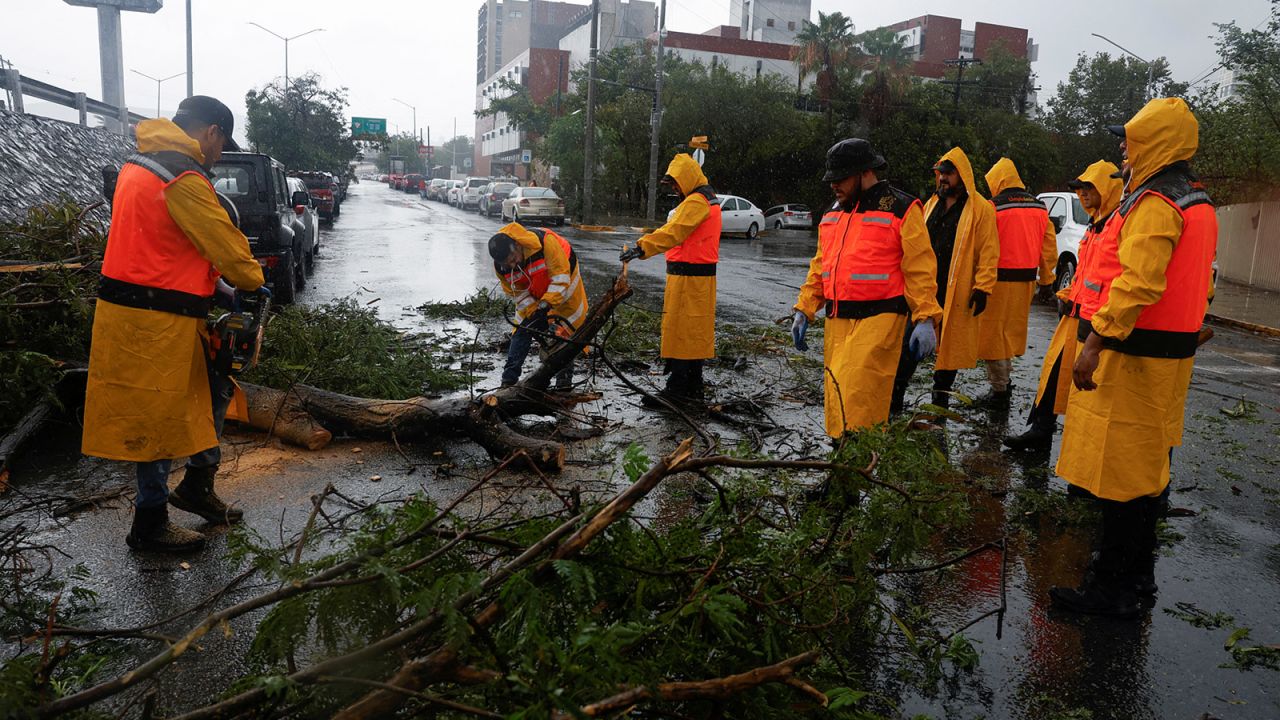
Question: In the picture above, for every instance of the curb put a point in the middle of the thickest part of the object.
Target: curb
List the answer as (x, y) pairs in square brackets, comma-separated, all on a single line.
[(1242, 325), (593, 228)]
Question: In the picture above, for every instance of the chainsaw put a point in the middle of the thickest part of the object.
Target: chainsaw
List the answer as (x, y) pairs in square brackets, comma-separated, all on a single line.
[(235, 338)]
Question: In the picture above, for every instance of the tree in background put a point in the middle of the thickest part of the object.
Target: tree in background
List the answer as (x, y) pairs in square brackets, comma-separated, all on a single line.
[(303, 125), (820, 50)]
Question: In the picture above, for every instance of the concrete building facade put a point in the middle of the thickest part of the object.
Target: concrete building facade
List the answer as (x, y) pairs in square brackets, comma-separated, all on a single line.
[(499, 141), (770, 21), (931, 40)]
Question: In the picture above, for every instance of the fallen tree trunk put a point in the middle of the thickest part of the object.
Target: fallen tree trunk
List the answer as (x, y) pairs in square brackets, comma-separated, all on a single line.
[(307, 416)]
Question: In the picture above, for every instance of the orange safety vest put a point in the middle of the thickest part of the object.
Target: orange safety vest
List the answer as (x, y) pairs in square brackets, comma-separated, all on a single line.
[(1020, 222), (531, 274), (150, 263), (1169, 327), (862, 255), (1084, 256), (699, 252)]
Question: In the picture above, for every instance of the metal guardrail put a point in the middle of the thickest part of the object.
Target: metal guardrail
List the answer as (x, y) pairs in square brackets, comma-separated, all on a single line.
[(19, 86)]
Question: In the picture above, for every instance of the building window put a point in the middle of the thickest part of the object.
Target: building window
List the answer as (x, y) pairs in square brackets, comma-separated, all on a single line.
[(769, 22), (514, 14)]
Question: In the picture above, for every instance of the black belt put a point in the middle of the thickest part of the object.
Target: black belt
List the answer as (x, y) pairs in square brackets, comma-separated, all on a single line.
[(860, 309), (148, 298), (1015, 274), (675, 267), (1142, 342)]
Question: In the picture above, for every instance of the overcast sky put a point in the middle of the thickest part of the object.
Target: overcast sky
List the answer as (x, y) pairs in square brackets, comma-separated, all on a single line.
[(378, 48)]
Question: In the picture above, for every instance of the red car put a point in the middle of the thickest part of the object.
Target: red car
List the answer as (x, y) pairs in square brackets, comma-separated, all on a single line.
[(320, 186)]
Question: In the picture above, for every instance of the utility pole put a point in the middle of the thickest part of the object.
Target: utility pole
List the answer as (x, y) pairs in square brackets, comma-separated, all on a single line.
[(286, 46), (959, 64), (158, 82), (190, 80), (589, 149), (652, 209)]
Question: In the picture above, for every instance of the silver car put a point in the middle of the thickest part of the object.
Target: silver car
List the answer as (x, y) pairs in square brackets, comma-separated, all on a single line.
[(533, 204), (307, 218)]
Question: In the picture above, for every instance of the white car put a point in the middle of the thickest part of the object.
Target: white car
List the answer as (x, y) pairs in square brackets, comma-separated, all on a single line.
[(454, 194), (1070, 221), (537, 204), (791, 215), (471, 189), (738, 215)]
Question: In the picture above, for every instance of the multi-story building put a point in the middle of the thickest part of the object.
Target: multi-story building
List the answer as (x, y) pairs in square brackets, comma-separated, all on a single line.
[(500, 141), (770, 21), (931, 40), (506, 28)]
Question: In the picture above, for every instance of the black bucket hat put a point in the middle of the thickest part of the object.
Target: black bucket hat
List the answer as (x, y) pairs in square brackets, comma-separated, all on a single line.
[(850, 157)]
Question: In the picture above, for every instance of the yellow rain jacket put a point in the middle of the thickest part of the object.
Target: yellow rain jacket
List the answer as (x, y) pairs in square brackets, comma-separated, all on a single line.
[(148, 389), (1002, 329), (1063, 345), (860, 355), (563, 289), (689, 302), (973, 267), (1116, 439)]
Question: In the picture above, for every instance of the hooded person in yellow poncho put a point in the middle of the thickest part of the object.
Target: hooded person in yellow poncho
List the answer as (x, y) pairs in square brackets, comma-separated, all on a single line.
[(151, 396), (1099, 194), (1146, 293), (1028, 254), (691, 241), (962, 231)]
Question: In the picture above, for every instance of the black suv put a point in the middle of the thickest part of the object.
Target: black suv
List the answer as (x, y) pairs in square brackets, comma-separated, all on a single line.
[(256, 185)]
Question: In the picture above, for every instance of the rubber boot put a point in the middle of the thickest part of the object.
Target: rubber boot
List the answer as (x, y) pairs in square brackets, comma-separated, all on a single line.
[(996, 399), (1106, 588), (1140, 563), (152, 532), (1038, 437), (195, 495)]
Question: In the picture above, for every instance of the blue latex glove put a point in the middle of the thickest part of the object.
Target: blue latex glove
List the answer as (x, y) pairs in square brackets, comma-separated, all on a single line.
[(799, 326), (923, 340)]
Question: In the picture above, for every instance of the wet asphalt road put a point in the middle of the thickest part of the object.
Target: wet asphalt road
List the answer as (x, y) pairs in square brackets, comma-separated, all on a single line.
[(395, 251)]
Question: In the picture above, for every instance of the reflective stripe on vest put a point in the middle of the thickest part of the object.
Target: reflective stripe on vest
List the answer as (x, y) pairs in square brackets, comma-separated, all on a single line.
[(862, 263), (531, 275), (1082, 260), (1164, 328), (145, 247), (702, 247), (1021, 227)]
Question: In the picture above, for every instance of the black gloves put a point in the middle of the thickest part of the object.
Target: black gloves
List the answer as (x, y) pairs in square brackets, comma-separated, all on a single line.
[(978, 301), (634, 253), (1044, 293)]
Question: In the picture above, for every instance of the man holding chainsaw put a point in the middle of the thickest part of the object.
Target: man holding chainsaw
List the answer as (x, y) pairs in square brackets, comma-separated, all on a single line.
[(152, 394), (539, 269)]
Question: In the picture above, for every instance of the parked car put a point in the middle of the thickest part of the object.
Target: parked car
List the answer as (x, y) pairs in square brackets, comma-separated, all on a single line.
[(1070, 220), (471, 191), (306, 212), (790, 215), (454, 194), (537, 205), (738, 215), (492, 196), (320, 185), (411, 183), (396, 182), (257, 186), (435, 189)]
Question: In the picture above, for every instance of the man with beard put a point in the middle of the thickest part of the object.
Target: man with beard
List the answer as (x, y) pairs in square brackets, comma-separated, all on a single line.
[(872, 268), (962, 231)]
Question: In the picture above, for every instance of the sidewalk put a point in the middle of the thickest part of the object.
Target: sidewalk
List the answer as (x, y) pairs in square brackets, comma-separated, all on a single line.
[(1246, 307)]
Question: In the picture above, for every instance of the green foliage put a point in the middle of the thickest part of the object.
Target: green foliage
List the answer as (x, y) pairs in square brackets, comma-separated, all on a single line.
[(634, 332), (1189, 613), (303, 124), (1248, 657), (344, 347), (480, 305)]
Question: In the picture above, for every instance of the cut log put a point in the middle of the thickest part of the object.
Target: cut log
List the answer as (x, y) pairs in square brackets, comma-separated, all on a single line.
[(22, 433)]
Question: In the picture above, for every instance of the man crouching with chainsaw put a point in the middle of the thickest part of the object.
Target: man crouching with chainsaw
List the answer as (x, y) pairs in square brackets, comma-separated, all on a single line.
[(539, 269), (152, 394)]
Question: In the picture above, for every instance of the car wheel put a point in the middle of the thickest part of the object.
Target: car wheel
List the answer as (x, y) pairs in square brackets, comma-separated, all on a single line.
[(285, 289), (311, 262), (777, 224), (299, 270), (1066, 272), (753, 231)]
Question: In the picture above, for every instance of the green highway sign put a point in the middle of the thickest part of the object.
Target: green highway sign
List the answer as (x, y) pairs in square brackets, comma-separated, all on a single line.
[(368, 126)]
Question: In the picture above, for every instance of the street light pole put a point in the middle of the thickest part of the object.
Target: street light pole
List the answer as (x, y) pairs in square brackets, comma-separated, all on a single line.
[(158, 82), (190, 79), (1149, 90), (652, 209), (589, 148), (286, 46), (415, 115)]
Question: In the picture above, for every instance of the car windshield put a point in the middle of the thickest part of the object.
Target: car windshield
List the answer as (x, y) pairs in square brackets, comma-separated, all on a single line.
[(504, 187), (476, 183), (799, 208), (316, 182), (538, 192), (233, 180)]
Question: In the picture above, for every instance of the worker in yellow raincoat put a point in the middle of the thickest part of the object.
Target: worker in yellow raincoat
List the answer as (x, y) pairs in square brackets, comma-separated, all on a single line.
[(1028, 254), (151, 396), (1098, 189), (873, 268), (1146, 293), (962, 231), (691, 241), (538, 268)]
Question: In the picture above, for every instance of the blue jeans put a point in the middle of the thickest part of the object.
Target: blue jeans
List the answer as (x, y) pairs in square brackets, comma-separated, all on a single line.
[(521, 342), (153, 477)]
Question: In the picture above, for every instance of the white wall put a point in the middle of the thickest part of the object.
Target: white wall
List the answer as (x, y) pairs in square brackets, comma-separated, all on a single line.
[(744, 64)]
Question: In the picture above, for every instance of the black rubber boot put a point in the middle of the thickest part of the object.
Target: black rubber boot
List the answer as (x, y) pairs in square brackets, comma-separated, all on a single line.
[(1107, 589), (996, 399), (195, 495), (1038, 437), (1140, 563), (152, 532), (1097, 596)]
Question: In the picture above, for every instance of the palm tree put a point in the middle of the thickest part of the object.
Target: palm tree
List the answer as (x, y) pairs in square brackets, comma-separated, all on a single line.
[(884, 58), (820, 49)]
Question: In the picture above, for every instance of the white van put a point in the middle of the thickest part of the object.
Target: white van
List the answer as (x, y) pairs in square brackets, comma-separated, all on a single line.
[(1070, 221), (471, 190)]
